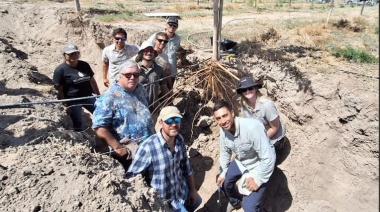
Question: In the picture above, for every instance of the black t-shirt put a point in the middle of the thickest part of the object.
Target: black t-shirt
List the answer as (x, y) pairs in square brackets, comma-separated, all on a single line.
[(75, 80)]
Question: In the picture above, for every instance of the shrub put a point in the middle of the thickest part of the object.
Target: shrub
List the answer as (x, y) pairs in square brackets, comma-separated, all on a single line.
[(354, 55)]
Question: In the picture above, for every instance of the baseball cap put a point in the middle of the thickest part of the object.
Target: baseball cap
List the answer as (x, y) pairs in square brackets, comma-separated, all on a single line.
[(172, 20), (70, 48), (165, 113)]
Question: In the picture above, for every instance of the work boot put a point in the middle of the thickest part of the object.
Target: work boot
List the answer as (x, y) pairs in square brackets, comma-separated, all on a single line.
[(230, 207)]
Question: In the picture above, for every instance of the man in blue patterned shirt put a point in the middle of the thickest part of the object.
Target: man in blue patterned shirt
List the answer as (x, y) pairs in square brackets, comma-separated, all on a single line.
[(122, 113), (163, 161)]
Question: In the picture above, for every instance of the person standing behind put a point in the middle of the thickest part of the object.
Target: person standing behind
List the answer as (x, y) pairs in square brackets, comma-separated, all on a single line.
[(254, 104), (151, 73), (73, 79), (162, 58), (122, 113), (172, 46), (254, 162), (163, 161), (115, 54)]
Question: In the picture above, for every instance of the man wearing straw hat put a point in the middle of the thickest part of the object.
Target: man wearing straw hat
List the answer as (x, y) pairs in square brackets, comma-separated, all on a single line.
[(163, 161)]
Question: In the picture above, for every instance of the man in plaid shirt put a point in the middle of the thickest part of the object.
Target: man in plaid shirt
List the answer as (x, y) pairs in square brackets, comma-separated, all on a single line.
[(163, 161)]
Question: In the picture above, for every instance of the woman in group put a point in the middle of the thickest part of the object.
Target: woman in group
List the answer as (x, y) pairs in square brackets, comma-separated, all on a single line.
[(254, 104), (74, 78)]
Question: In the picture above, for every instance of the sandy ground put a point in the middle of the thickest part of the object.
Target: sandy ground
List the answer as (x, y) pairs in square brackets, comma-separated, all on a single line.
[(330, 162)]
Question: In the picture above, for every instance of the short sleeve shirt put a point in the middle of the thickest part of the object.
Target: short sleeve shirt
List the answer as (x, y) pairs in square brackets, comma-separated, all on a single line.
[(116, 57), (124, 113), (75, 80)]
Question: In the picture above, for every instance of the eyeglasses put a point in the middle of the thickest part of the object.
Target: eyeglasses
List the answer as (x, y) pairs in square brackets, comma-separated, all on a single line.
[(177, 120), (160, 41), (173, 25), (148, 50), (129, 75), (121, 38), (247, 89)]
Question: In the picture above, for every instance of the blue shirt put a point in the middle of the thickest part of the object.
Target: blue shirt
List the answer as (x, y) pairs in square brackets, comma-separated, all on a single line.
[(124, 113), (164, 171)]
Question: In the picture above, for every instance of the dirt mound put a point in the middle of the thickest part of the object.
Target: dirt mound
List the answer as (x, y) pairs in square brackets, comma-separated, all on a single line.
[(330, 161)]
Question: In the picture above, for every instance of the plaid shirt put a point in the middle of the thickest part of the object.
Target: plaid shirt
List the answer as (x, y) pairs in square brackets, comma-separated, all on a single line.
[(115, 57), (164, 171)]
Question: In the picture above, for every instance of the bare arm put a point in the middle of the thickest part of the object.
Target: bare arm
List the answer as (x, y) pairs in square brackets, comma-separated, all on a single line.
[(105, 135), (105, 73), (59, 88), (94, 86), (193, 194), (273, 127)]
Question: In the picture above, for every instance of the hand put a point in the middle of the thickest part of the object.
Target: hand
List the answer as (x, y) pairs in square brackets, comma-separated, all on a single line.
[(121, 151), (106, 82), (220, 181), (193, 196), (68, 111), (251, 184)]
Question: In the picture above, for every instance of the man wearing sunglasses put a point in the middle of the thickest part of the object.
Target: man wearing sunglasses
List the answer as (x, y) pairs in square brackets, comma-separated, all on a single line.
[(173, 45), (151, 74), (254, 161), (163, 161), (162, 58), (122, 113), (115, 54)]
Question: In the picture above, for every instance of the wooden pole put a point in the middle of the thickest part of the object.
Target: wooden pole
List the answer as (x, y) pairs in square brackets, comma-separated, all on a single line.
[(215, 43), (77, 5)]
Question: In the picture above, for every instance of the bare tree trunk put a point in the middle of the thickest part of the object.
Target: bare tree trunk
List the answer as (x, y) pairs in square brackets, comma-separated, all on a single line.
[(290, 3), (77, 5), (215, 41)]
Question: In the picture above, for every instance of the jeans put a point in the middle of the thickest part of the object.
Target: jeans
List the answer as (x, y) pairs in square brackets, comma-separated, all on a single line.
[(186, 207), (76, 111), (249, 203)]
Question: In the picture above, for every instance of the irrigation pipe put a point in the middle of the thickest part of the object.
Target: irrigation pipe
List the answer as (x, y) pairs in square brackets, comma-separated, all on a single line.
[(23, 104)]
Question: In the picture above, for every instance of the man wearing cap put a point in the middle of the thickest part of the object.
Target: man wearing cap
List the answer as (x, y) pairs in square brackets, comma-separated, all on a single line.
[(115, 54), (151, 74), (122, 113), (73, 79), (163, 161), (254, 161), (173, 45)]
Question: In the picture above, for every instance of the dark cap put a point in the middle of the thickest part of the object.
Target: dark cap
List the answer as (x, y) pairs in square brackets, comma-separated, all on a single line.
[(70, 48), (247, 82), (173, 20)]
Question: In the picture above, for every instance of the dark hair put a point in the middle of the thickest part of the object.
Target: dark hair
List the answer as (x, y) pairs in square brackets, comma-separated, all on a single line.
[(220, 104), (163, 34), (119, 30)]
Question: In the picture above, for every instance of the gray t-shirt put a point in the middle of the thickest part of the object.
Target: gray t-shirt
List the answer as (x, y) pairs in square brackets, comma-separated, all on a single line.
[(265, 111)]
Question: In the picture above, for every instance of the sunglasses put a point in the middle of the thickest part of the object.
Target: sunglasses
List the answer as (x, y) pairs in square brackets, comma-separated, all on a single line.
[(172, 25), (246, 89), (160, 41), (129, 75), (121, 38), (177, 120)]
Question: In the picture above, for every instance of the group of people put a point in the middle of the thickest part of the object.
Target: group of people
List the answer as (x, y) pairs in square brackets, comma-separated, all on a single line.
[(137, 77)]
